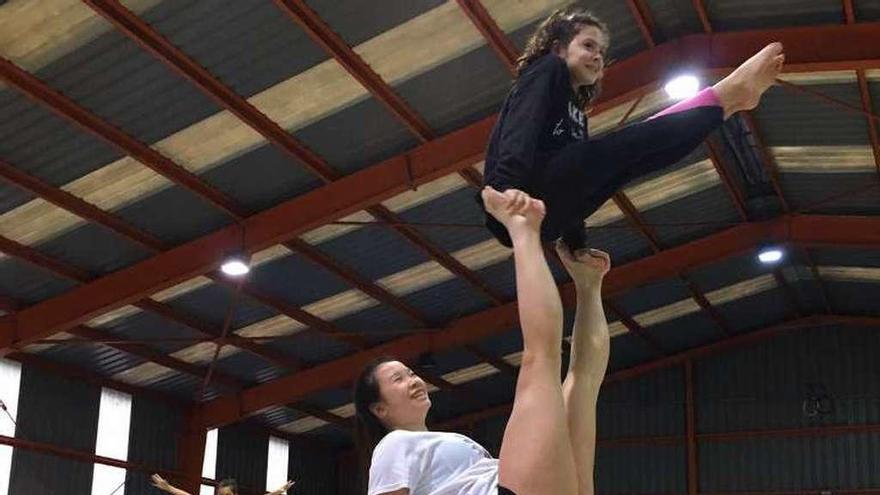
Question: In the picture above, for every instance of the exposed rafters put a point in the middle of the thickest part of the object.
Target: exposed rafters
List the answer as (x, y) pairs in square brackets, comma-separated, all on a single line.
[(801, 229), (643, 19), (495, 37)]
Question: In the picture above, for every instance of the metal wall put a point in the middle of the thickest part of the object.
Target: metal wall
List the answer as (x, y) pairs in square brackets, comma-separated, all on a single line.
[(152, 442), (242, 453), (806, 380), (314, 470), (58, 411)]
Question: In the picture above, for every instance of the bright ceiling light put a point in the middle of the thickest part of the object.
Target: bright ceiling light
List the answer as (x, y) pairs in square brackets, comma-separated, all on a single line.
[(770, 255), (235, 266), (682, 87)]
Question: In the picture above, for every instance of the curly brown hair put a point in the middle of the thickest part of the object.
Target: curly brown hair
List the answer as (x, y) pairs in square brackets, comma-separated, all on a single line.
[(559, 29)]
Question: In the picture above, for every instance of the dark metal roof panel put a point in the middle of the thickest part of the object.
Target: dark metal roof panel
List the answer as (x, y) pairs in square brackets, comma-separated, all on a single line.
[(249, 368), (160, 215), (641, 469), (359, 21), (275, 417), (650, 405), (99, 358), (765, 386), (46, 146), (357, 136), (867, 11), (94, 248), (620, 240), (452, 360), (841, 256), (856, 298), (374, 252), (248, 44), (183, 386), (28, 284), (261, 178), (628, 350), (458, 210), (378, 324), (211, 303), (12, 197), (673, 19), (727, 272), (791, 118), (311, 347), (296, 280), (730, 15), (756, 311), (125, 85), (330, 398), (501, 277), (475, 395), (686, 332), (145, 325), (653, 296), (697, 215), (447, 301), (460, 91), (791, 464), (840, 194)]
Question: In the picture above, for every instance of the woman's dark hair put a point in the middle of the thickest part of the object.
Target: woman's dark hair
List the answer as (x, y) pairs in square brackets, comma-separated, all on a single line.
[(558, 30), (229, 483), (368, 429)]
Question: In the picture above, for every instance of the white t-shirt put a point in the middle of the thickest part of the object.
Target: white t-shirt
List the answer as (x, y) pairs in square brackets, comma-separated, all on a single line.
[(432, 463)]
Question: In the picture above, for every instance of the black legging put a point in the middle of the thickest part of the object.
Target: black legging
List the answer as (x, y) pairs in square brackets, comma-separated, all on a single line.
[(583, 176)]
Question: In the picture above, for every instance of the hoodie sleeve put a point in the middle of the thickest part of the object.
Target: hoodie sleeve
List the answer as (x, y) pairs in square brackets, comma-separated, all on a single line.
[(528, 108)]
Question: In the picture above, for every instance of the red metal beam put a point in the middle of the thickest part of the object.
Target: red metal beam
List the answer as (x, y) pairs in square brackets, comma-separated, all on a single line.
[(448, 154), (849, 12), (640, 14), (323, 35), (495, 37), (703, 15), (693, 470), (867, 106)]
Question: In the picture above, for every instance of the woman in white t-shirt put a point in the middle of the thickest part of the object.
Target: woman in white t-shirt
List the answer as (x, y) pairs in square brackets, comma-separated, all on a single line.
[(549, 442)]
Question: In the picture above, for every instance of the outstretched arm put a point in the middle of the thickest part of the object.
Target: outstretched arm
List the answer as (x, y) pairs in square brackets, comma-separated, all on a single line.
[(282, 489), (160, 483)]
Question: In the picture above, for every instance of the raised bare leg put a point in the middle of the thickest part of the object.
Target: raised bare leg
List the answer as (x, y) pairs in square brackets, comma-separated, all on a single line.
[(589, 358), (536, 455), (742, 88)]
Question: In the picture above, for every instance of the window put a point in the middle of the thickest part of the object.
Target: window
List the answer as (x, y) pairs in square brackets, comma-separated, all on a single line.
[(114, 420), (276, 471), (209, 464), (10, 381)]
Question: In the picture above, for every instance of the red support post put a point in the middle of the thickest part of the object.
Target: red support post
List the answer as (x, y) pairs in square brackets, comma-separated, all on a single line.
[(495, 37), (693, 483), (640, 14), (703, 15), (191, 452)]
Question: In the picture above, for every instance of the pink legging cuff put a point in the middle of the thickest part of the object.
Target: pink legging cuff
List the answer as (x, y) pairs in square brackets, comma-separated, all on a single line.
[(705, 98)]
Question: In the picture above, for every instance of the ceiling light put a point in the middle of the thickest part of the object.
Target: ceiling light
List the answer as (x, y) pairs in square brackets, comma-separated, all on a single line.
[(235, 266), (770, 255), (682, 87)]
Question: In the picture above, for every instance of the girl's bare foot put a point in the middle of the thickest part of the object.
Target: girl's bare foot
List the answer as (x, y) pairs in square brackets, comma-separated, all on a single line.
[(516, 210), (742, 89)]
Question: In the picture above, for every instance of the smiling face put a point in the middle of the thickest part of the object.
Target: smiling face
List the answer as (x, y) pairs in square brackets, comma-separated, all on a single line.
[(404, 400), (585, 55)]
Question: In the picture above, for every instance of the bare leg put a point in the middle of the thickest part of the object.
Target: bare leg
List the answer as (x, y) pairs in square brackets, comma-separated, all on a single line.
[(742, 89), (536, 456), (589, 358)]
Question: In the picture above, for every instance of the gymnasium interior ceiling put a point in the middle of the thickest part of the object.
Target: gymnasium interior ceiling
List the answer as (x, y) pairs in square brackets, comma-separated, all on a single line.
[(339, 144)]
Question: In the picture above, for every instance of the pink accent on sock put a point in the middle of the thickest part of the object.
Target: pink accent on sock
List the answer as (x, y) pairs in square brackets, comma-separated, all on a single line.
[(705, 98)]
